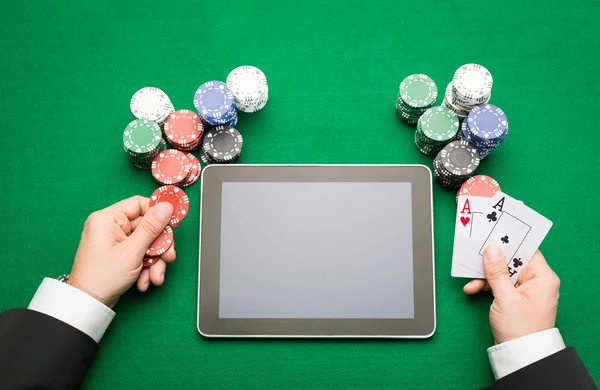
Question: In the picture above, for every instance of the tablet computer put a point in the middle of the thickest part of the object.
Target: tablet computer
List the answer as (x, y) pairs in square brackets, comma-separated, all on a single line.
[(316, 251)]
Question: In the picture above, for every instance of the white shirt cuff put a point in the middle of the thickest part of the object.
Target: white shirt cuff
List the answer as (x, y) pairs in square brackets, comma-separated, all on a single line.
[(72, 306), (513, 355)]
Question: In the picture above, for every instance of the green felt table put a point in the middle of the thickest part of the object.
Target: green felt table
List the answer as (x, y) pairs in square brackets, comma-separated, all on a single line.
[(69, 68)]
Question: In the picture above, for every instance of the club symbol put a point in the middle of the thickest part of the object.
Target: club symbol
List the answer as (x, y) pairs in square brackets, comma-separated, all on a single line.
[(504, 239), (517, 262), (492, 216)]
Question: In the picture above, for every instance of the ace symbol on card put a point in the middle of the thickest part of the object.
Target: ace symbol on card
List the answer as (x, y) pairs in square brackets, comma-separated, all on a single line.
[(469, 232), (471, 214), (518, 230)]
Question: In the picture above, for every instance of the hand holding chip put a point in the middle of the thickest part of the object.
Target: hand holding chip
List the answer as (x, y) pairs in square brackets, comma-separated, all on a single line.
[(113, 244), (520, 310)]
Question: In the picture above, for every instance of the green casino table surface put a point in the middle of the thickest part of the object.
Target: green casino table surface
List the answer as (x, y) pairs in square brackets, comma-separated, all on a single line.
[(69, 68)]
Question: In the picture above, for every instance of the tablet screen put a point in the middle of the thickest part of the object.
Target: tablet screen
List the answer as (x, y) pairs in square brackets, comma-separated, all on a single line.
[(317, 250)]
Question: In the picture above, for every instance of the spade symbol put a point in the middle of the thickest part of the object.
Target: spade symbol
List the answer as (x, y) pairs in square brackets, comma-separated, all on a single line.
[(517, 262), (492, 216), (504, 239)]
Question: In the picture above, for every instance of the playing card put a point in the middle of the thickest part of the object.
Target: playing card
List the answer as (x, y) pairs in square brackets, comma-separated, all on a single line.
[(469, 233), (517, 229)]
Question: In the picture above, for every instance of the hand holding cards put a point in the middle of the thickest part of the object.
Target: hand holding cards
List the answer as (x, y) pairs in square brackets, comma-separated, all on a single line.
[(499, 220)]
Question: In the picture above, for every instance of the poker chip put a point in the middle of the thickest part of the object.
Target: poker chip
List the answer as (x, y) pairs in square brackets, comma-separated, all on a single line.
[(488, 122), (171, 167), (416, 94), (151, 103), (142, 142), (449, 102), (162, 243), (249, 87), (480, 185), (214, 102), (470, 86), (184, 130), (436, 127), (149, 260), (486, 127), (178, 199), (221, 145), (455, 164), (195, 171)]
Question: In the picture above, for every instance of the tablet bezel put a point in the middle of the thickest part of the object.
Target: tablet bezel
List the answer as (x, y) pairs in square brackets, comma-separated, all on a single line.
[(210, 325)]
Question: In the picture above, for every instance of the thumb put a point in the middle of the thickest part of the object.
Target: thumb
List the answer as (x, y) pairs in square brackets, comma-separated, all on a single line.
[(151, 225), (496, 271)]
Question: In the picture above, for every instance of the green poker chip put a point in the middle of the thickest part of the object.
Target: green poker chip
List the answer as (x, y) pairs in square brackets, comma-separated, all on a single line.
[(418, 91), (416, 94), (142, 141), (437, 127), (141, 136), (439, 124)]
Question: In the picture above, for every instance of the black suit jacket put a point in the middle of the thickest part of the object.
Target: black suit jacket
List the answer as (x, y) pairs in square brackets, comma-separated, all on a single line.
[(561, 371), (41, 352)]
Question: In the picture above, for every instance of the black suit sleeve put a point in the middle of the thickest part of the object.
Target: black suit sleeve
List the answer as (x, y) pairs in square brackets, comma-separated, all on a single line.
[(562, 371), (40, 352)]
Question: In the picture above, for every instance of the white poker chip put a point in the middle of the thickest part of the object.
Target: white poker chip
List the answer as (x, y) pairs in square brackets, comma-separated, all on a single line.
[(151, 103), (249, 87), (470, 87), (473, 83)]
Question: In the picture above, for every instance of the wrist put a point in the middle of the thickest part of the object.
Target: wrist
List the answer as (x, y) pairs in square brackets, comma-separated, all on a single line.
[(73, 281)]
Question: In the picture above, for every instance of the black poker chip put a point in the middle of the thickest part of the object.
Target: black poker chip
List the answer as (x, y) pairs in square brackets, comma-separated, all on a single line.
[(222, 144), (455, 164)]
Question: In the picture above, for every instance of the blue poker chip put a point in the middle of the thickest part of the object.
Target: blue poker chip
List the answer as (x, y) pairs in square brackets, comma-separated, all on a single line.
[(227, 118), (214, 100), (232, 123), (487, 123), (483, 148)]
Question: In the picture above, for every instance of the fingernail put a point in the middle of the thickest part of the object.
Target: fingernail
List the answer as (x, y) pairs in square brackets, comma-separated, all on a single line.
[(163, 210), (147, 284), (162, 277), (493, 253)]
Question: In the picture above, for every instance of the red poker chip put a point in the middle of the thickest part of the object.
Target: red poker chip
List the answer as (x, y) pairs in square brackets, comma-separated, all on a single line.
[(189, 148), (480, 185), (170, 167), (162, 243), (194, 172), (177, 198), (184, 128), (149, 260)]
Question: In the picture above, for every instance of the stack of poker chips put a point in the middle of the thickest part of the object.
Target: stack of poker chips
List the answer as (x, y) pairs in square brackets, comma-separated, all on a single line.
[(214, 102), (142, 141), (435, 129), (151, 103), (417, 93), (184, 130), (485, 128), (249, 87), (470, 86), (455, 164), (221, 145), (174, 167)]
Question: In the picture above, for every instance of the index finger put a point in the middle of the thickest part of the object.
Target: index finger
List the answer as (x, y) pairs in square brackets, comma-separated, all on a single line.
[(132, 207)]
